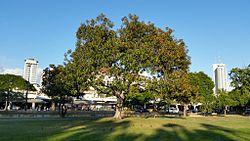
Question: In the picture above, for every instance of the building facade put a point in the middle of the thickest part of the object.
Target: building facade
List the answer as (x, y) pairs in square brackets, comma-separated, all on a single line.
[(220, 77), (30, 70)]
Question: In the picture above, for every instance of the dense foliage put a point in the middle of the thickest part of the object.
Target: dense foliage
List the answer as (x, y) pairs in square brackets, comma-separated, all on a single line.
[(112, 60), (12, 88), (202, 85), (55, 86), (241, 83)]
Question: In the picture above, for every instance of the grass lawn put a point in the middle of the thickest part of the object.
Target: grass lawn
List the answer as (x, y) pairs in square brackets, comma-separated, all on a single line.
[(137, 129)]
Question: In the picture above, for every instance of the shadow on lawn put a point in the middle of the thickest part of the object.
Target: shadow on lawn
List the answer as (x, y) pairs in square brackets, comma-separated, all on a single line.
[(175, 132), (112, 130), (97, 130)]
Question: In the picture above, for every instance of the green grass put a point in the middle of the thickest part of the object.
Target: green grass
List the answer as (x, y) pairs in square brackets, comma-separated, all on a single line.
[(137, 129)]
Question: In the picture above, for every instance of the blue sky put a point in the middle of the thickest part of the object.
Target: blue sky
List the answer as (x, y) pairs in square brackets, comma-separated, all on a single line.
[(213, 30)]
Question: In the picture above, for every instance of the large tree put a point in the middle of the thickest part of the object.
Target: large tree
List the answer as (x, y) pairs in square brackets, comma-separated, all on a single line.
[(112, 60)]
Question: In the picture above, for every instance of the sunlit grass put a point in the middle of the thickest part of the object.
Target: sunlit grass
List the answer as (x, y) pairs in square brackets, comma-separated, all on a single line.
[(138, 129)]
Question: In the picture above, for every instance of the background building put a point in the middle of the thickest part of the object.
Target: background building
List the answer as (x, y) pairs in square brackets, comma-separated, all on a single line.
[(36, 99), (220, 77), (30, 70)]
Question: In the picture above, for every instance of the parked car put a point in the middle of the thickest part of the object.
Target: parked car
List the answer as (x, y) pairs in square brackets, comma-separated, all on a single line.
[(247, 111), (142, 110), (172, 110)]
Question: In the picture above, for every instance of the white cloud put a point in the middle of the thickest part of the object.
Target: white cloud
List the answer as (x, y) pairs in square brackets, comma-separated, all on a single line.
[(19, 71), (15, 71)]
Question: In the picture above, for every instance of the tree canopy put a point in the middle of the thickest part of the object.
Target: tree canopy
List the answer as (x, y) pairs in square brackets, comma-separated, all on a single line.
[(112, 60), (203, 86), (241, 82), (11, 82), (55, 85), (12, 87)]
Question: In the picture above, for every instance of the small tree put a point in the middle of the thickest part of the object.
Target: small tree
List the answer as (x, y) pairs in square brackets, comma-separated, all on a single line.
[(180, 89), (203, 85), (28, 87), (224, 100), (241, 83), (48, 84), (12, 86), (54, 85)]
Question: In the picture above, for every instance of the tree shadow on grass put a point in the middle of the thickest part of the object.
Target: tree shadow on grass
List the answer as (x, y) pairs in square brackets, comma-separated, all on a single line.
[(231, 132), (113, 130), (175, 132), (108, 129), (96, 130)]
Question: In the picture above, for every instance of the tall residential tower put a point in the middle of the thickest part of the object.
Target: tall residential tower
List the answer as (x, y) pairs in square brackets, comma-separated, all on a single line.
[(220, 77), (30, 70)]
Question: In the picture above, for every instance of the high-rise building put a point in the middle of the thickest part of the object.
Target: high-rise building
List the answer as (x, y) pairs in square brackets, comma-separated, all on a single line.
[(220, 77), (30, 70)]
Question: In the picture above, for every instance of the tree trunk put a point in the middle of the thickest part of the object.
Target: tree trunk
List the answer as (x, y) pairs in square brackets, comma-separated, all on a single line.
[(53, 107), (184, 110), (155, 107), (26, 101), (225, 110), (118, 113), (63, 110), (6, 105), (59, 107), (118, 109), (6, 101)]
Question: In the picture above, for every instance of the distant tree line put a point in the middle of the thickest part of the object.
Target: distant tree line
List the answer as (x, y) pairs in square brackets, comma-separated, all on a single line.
[(222, 101)]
